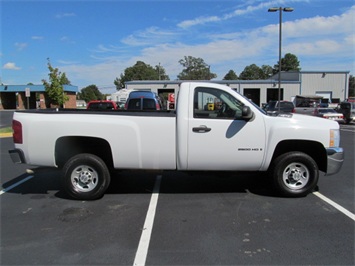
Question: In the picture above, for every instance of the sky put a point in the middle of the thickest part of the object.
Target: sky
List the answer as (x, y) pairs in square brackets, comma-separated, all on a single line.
[(93, 42)]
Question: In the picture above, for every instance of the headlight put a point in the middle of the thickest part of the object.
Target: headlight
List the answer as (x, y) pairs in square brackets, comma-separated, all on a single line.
[(334, 140)]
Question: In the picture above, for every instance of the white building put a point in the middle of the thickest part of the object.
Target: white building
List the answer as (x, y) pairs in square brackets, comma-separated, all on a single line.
[(332, 85)]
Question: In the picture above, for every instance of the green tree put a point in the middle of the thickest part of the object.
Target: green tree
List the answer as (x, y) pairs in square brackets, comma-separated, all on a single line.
[(91, 93), (289, 62), (140, 71), (161, 73), (231, 75), (267, 71), (54, 87), (351, 86), (252, 72), (195, 69)]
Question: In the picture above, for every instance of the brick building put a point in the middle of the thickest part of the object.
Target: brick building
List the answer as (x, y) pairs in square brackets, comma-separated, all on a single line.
[(31, 97)]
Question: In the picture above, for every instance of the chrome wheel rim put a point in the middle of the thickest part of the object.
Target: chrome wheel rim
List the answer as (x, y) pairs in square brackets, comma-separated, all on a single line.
[(84, 178), (295, 176)]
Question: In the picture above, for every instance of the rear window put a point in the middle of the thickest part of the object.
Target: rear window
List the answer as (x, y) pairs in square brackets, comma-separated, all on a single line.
[(287, 105), (101, 106), (149, 104), (326, 110), (134, 104)]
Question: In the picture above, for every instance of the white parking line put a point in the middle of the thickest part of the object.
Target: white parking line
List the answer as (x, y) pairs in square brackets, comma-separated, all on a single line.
[(335, 205), (142, 251), (16, 184)]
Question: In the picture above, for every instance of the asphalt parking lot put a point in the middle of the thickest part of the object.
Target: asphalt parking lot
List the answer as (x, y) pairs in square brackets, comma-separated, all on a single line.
[(170, 218)]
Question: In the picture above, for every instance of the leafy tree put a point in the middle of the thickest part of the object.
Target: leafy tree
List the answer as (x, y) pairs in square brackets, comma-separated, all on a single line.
[(54, 87), (267, 71), (231, 75), (91, 93), (195, 69), (289, 62), (161, 73), (351, 86), (251, 72), (140, 71)]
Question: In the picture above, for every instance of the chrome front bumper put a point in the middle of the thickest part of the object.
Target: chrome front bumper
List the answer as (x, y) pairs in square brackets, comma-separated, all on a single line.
[(335, 160)]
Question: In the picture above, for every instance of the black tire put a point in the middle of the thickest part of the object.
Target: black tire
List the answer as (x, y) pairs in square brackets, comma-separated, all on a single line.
[(86, 177), (295, 174)]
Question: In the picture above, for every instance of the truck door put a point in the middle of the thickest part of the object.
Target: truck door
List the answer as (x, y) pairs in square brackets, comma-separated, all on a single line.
[(218, 137)]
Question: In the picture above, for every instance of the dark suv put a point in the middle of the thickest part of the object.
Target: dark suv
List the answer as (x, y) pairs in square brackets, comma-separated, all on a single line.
[(348, 111), (272, 108), (143, 100)]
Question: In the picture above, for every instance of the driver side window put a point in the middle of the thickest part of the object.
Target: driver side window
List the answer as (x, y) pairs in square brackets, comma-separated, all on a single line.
[(216, 104)]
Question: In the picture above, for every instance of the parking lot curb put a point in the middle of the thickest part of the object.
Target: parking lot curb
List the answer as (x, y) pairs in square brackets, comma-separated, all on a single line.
[(5, 135)]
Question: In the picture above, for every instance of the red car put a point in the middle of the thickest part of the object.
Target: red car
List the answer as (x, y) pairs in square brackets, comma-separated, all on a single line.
[(102, 105)]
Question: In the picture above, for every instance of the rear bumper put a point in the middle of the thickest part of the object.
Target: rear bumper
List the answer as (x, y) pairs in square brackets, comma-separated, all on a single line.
[(17, 156), (335, 160)]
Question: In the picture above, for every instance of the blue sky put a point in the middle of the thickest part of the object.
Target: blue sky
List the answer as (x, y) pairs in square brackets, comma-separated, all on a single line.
[(93, 42)]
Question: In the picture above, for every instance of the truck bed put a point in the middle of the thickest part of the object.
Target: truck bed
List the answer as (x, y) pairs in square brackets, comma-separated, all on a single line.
[(160, 113)]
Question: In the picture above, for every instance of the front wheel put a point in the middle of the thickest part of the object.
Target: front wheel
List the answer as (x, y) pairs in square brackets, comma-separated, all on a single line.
[(86, 177), (295, 174)]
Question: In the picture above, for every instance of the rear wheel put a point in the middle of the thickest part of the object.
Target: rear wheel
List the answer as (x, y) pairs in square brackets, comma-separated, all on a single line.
[(86, 177), (295, 174)]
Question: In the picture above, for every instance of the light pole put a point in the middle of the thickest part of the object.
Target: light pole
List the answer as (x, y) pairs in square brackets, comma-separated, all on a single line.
[(280, 9)]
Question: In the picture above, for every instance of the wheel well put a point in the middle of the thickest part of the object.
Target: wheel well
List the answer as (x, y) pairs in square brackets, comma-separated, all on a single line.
[(67, 147), (312, 148)]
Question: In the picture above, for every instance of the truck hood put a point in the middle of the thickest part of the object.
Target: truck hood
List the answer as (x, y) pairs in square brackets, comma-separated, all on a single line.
[(306, 121)]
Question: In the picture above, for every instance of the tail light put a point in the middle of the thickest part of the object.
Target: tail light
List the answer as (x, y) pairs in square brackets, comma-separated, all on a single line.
[(17, 131), (157, 106), (293, 110)]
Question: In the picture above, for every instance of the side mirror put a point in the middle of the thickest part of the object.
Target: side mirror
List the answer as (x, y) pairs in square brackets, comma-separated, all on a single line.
[(247, 114)]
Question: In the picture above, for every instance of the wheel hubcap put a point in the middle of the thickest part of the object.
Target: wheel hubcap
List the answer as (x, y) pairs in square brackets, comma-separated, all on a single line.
[(295, 176), (84, 178)]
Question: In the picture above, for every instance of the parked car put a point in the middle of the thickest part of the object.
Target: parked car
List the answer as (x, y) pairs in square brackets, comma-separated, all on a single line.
[(348, 111), (143, 100), (329, 113), (272, 108), (102, 105)]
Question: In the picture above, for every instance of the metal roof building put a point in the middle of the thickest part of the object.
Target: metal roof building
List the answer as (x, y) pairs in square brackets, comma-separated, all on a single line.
[(332, 85)]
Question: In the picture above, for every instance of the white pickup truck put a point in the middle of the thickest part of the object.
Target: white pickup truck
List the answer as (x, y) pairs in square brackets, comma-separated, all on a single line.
[(214, 128)]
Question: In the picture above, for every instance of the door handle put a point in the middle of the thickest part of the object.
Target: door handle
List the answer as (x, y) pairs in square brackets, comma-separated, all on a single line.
[(201, 129)]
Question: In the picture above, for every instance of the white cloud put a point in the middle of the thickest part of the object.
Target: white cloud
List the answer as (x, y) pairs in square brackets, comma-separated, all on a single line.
[(150, 36), (63, 15), (328, 38), (11, 66), (249, 8), (319, 25), (67, 39), (20, 46), (321, 47), (198, 21), (101, 73), (37, 38)]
